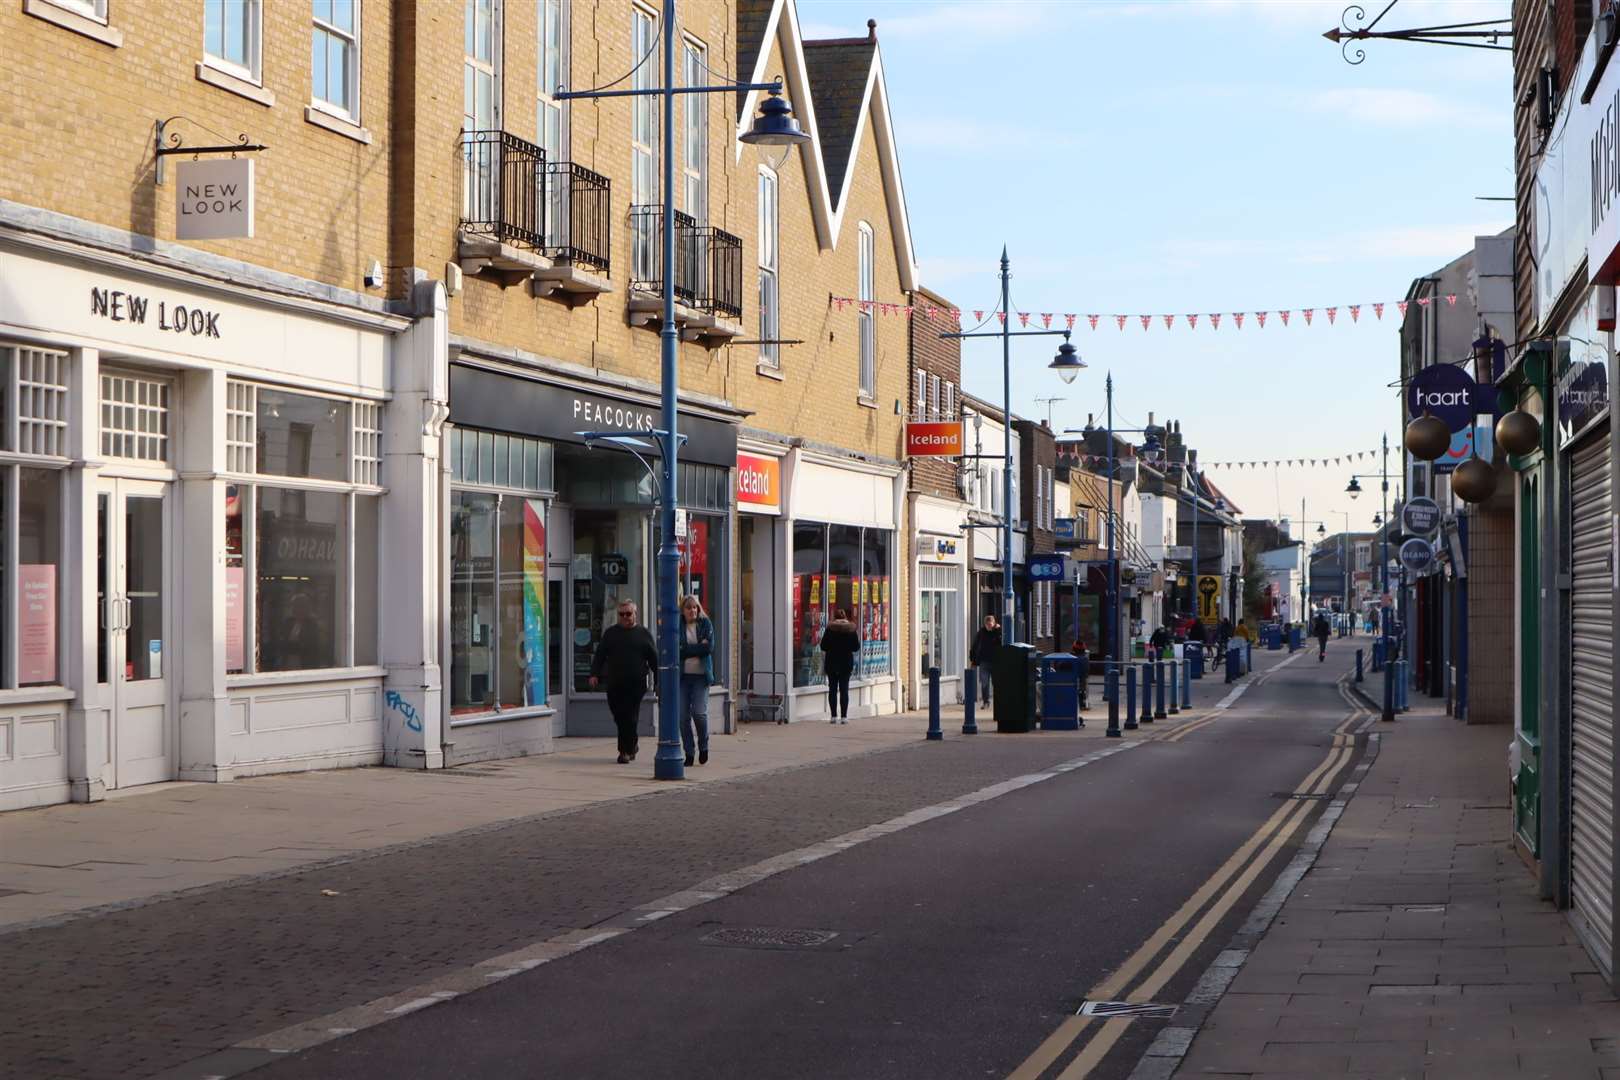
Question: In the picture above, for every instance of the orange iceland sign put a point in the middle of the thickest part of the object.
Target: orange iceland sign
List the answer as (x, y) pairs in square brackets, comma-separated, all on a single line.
[(933, 439), (759, 481)]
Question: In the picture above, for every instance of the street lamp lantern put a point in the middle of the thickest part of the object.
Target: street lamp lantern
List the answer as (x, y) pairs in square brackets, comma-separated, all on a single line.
[(1321, 530), (1067, 362), (775, 125), (1354, 487)]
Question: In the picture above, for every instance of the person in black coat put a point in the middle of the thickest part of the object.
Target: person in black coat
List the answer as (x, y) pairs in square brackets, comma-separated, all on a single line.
[(840, 642), (982, 654), (624, 657)]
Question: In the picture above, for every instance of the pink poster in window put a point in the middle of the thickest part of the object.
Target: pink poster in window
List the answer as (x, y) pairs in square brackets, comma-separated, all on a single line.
[(233, 618), (36, 624)]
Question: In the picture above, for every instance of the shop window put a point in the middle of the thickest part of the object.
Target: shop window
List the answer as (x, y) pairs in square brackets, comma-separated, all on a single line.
[(37, 383), (302, 539), (940, 622), (33, 427), (231, 36), (702, 571), (848, 567), (609, 568)]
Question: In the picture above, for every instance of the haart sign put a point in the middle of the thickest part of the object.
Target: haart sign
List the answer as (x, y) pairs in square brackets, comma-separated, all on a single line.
[(1444, 391)]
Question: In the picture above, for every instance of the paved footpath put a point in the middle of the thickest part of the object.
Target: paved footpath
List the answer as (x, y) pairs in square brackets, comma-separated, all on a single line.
[(205, 915), (1415, 947)]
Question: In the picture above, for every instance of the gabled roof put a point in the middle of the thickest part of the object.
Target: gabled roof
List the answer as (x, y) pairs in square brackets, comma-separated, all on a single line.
[(836, 88)]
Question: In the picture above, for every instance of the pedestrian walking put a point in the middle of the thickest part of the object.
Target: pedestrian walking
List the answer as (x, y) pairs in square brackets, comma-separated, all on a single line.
[(624, 657), (1223, 634), (697, 675), (986, 643), (1322, 629), (1083, 663), (841, 643), (1160, 641)]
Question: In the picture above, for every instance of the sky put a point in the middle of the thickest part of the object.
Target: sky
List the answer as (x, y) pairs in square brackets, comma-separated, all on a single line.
[(1196, 156)]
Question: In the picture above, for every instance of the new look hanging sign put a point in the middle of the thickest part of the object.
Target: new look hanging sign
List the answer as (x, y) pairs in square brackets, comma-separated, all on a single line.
[(214, 199)]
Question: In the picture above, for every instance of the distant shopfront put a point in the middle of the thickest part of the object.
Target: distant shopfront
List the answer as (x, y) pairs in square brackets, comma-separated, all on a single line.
[(547, 536)]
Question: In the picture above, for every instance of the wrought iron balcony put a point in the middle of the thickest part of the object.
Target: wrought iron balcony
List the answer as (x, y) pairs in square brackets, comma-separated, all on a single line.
[(720, 292), (647, 253), (579, 210), (708, 274), (502, 188)]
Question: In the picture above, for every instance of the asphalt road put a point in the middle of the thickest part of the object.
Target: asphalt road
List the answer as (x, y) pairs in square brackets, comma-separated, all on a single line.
[(961, 943)]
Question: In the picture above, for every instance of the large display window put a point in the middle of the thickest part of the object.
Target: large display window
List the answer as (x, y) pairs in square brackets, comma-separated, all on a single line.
[(301, 534), (33, 437), (848, 567), (501, 631)]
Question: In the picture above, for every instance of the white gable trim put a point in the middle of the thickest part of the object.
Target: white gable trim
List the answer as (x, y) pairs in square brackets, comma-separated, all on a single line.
[(785, 34)]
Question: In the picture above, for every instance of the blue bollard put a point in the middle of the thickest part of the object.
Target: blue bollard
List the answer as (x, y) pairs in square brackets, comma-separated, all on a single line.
[(1358, 665), (1248, 656), (1159, 711), (1145, 716), (1111, 695), (1231, 662), (934, 705), (970, 701), (1173, 706), (1130, 697), (1186, 686), (1389, 695)]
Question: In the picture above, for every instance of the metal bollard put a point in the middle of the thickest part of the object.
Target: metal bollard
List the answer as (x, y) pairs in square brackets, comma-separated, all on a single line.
[(1248, 656), (934, 732), (1389, 695), (1111, 695), (1231, 663), (1159, 711), (1403, 685), (1358, 665), (1130, 697), (1186, 687), (1148, 677), (970, 701), (1173, 706)]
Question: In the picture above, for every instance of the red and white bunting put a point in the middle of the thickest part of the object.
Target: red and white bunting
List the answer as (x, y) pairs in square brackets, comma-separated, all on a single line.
[(1046, 319), (1120, 319), (1260, 317), (1378, 310), (1332, 314), (978, 315), (1400, 305), (1001, 317), (1169, 322), (1092, 319), (1214, 321), (1308, 312), (1355, 312), (1192, 322), (1425, 301), (1451, 299), (1023, 318), (1147, 321), (1283, 315), (1237, 317)]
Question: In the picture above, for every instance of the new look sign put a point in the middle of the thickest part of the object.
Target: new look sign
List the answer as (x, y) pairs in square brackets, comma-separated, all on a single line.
[(214, 199), (1444, 391)]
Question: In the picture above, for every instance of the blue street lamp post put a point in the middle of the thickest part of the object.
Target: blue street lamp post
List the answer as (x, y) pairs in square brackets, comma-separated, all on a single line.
[(1070, 358), (774, 126)]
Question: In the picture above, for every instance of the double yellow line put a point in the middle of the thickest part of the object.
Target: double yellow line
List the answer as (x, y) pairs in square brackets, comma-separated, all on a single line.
[(1188, 728), (1225, 887)]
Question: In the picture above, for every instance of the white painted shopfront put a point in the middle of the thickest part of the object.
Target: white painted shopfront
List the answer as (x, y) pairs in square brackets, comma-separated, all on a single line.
[(197, 520), (940, 597)]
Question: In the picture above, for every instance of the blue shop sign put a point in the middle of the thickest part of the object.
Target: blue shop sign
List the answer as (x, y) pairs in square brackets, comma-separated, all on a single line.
[(1046, 567)]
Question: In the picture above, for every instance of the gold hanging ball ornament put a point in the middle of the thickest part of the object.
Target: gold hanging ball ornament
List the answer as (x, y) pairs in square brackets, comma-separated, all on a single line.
[(1427, 437), (1474, 481), (1518, 432)]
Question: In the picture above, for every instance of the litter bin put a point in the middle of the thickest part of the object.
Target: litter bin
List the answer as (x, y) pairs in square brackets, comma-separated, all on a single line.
[(1194, 654), (1015, 687), (1060, 692)]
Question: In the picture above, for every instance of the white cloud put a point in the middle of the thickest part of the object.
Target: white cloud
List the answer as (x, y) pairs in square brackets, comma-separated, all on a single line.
[(1393, 107)]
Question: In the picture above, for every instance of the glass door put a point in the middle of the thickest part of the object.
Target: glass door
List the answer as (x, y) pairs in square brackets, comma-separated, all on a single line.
[(134, 654)]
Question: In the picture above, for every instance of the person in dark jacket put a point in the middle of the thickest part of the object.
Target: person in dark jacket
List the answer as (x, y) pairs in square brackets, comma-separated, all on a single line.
[(982, 654), (1160, 641), (624, 658), (1321, 628), (1083, 656), (697, 675), (840, 642)]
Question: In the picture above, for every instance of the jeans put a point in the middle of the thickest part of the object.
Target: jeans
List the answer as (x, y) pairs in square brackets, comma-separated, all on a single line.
[(624, 702), (838, 693), (984, 684), (694, 713)]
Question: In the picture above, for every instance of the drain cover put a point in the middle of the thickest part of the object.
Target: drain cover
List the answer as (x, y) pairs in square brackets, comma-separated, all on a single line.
[(1127, 1009), (768, 937)]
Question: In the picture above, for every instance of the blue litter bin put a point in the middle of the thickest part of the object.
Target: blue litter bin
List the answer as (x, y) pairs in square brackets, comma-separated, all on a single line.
[(1296, 637), (1194, 654), (1060, 692)]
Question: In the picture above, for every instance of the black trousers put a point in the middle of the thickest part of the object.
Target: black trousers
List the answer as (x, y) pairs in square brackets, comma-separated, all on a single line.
[(838, 692), (624, 702)]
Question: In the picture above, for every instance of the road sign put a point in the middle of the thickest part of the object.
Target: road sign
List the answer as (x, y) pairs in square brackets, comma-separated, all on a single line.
[(1420, 516), (1417, 555), (1046, 567)]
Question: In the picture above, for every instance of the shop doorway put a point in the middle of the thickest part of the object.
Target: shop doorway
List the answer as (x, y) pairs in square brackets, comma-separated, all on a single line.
[(759, 600), (134, 552)]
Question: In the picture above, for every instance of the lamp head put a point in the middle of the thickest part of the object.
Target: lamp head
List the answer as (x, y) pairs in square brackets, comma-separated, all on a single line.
[(1067, 362), (775, 125), (1354, 488), (1321, 530)]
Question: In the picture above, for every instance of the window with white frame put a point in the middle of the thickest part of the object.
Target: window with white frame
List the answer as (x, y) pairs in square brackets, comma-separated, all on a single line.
[(481, 66), (867, 290), (919, 394), (90, 9), (335, 57), (644, 187), (134, 417), (770, 353), (301, 530), (231, 36), (949, 404), (933, 396), (694, 133), (552, 74), (33, 461)]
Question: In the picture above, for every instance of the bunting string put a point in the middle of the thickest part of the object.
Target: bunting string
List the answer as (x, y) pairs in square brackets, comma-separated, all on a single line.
[(1328, 462), (1187, 321)]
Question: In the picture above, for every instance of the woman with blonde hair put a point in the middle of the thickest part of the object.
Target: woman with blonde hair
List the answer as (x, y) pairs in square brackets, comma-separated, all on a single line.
[(697, 675)]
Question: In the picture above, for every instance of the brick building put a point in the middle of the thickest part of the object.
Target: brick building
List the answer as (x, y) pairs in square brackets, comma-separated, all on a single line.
[(368, 405), (1037, 600)]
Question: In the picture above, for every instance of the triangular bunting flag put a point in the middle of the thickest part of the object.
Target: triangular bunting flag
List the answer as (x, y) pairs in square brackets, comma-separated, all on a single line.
[(1214, 320), (1355, 312), (1192, 321), (978, 315), (1332, 314), (1307, 312), (1147, 321), (1120, 319), (1023, 318), (1169, 322), (1092, 319), (1237, 317), (1451, 299), (1378, 310), (1423, 301), (1046, 320), (1260, 317), (1283, 315), (1001, 317), (1400, 305)]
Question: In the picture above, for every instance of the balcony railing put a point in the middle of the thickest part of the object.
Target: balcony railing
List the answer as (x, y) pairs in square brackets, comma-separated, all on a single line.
[(579, 208), (503, 188), (647, 253), (720, 293)]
